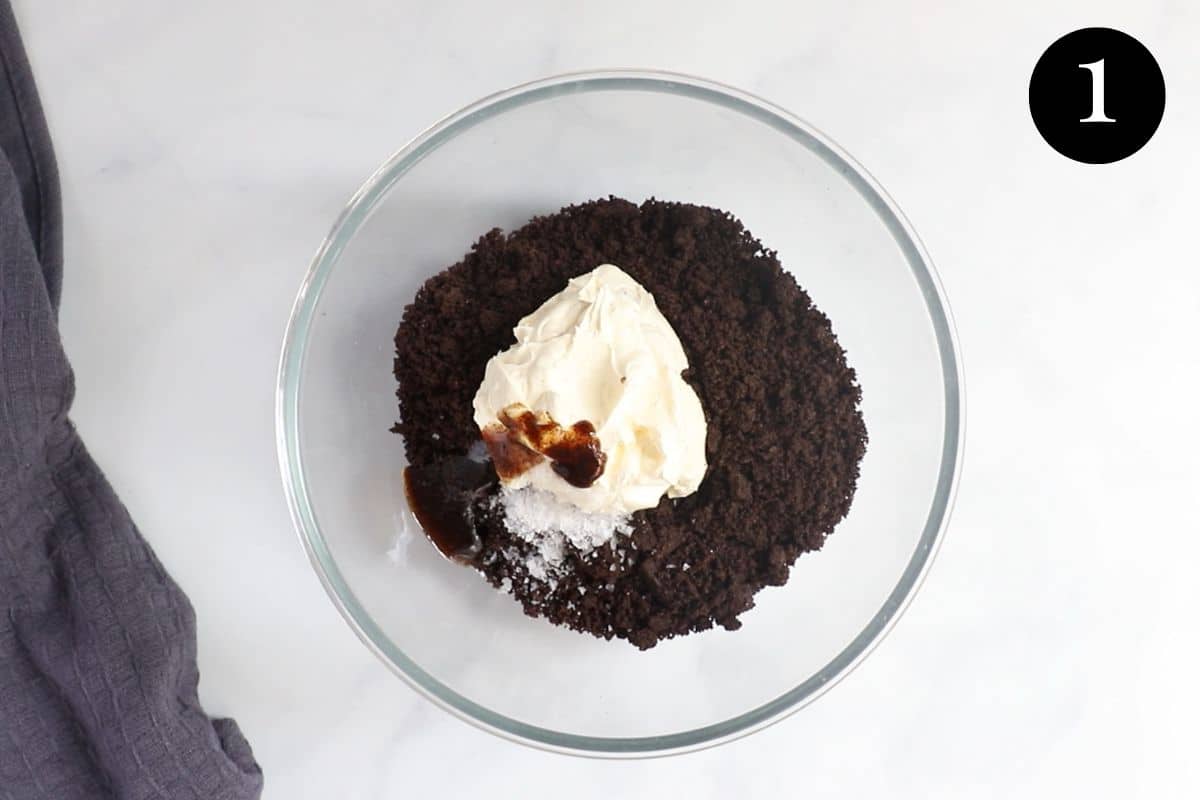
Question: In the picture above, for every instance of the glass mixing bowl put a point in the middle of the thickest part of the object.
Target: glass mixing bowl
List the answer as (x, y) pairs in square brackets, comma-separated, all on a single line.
[(531, 150)]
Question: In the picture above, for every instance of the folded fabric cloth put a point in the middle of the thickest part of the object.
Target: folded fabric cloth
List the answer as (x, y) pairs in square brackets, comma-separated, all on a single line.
[(97, 644)]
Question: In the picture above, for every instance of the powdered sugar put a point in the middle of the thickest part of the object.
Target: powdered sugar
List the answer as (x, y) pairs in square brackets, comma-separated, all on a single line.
[(554, 527)]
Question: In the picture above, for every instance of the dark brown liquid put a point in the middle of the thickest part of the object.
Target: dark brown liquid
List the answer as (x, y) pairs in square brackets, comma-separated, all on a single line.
[(577, 456), (509, 456), (521, 439), (441, 497)]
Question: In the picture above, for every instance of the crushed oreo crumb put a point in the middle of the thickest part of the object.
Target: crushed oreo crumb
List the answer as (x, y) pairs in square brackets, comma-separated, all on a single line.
[(785, 433)]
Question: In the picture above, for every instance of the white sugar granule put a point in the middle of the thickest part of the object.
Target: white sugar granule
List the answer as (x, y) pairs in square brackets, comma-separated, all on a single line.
[(538, 568), (552, 527), (529, 513)]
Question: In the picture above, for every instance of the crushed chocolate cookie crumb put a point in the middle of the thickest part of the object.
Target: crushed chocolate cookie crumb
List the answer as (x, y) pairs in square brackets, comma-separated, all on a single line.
[(785, 434)]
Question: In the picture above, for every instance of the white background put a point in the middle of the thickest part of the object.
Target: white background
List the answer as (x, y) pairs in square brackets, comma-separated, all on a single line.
[(205, 149)]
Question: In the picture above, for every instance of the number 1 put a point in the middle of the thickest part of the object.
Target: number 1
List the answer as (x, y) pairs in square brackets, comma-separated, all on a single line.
[(1097, 70)]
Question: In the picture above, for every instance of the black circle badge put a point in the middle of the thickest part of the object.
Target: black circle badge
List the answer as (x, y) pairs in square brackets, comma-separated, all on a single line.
[(1097, 95)]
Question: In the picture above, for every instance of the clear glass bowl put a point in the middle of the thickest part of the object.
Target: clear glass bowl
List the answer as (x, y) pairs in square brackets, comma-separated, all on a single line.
[(531, 150)]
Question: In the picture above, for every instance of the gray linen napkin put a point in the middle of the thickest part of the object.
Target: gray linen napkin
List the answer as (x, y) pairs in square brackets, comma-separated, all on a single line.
[(97, 644)]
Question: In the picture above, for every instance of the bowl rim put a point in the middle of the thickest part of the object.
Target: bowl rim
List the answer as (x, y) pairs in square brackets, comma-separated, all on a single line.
[(360, 206)]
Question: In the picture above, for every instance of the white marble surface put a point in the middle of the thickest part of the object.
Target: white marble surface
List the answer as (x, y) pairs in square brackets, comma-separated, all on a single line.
[(206, 147)]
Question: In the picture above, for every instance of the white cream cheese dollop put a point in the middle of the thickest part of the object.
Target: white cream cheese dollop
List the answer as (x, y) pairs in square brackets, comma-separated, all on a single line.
[(601, 351)]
